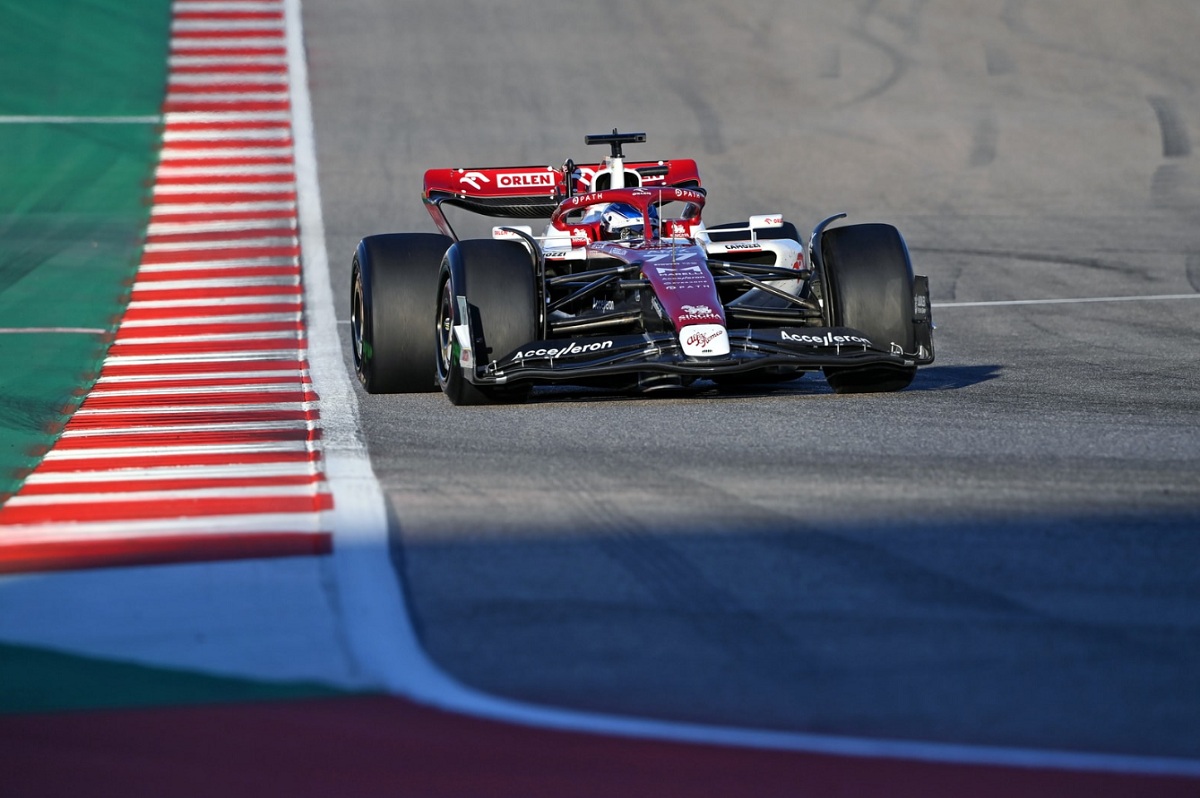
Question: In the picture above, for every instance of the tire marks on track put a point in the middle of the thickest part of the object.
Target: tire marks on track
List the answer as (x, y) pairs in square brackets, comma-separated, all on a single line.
[(1175, 140), (898, 60), (983, 144), (1193, 270), (201, 439)]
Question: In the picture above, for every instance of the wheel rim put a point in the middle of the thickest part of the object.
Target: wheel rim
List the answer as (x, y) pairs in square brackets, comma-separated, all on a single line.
[(445, 335), (356, 323)]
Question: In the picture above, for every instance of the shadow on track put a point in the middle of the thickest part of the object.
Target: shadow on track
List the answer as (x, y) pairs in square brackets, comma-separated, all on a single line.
[(865, 628), (929, 378), (947, 378)]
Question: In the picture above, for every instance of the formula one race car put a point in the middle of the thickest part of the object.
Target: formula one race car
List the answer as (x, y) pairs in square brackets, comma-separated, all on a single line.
[(626, 287)]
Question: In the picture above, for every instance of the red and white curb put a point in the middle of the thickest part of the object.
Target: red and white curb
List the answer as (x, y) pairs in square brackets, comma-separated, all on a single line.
[(202, 437), (206, 405)]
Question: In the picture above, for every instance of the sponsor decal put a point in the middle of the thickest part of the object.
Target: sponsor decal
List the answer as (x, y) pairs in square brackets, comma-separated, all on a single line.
[(585, 199), (677, 256), (614, 250), (567, 350), (703, 339), (679, 230), (697, 312), (501, 233), (473, 179), (828, 339), (747, 246), (679, 270), (526, 180)]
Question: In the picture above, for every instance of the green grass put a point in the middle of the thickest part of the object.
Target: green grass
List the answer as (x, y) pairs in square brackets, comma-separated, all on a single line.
[(74, 204), (73, 201), (83, 57), (39, 680)]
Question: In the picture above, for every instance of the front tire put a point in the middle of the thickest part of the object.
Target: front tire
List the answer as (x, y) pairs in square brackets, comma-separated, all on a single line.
[(496, 279), (393, 280), (868, 286)]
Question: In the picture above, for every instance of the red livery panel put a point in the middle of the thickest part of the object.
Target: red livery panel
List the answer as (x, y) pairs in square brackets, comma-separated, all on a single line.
[(546, 181)]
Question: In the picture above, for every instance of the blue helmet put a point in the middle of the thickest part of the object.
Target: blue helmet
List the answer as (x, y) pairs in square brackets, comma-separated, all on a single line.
[(621, 221)]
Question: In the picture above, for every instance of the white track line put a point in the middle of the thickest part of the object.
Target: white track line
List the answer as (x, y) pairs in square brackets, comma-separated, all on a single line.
[(248, 42), (170, 410), (201, 357), (180, 450), (230, 388), (273, 25), (196, 427), (224, 78), (167, 497), (374, 614), (208, 117), (212, 101), (169, 189), (244, 523), (265, 299), (230, 243), (176, 209), (44, 330), (218, 225), (224, 171), (80, 120), (214, 283), (233, 376), (216, 319), (1072, 301), (162, 473), (190, 6)]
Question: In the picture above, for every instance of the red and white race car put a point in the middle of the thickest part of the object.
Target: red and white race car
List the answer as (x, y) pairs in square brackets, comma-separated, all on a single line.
[(627, 287)]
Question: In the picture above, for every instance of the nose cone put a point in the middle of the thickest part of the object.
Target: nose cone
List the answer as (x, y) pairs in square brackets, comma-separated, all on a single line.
[(704, 340)]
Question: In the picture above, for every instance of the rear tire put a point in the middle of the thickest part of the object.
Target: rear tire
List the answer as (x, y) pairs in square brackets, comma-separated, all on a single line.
[(868, 286), (393, 282), (496, 277)]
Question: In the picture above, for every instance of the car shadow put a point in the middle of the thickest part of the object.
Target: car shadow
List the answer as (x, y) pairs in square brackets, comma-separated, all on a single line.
[(948, 378), (929, 378)]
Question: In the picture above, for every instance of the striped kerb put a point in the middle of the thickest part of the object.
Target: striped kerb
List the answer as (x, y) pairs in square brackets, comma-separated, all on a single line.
[(201, 439)]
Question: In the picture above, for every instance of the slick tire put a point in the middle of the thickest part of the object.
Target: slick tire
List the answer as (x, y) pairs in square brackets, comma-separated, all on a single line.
[(497, 280), (868, 286), (393, 281)]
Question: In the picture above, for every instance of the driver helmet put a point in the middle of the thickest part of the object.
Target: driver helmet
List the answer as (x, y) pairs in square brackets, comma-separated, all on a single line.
[(621, 221)]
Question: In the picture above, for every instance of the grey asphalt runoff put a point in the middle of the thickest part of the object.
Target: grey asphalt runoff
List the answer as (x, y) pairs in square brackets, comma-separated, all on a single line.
[(1006, 553)]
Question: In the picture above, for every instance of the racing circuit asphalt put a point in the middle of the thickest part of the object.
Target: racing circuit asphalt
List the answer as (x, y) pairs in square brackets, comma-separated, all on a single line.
[(1006, 553)]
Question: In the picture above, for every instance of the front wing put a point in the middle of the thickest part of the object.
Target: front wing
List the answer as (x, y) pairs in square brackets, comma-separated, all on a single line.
[(575, 360)]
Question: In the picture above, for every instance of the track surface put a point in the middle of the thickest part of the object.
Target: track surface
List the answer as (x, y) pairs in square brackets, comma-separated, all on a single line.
[(1003, 554)]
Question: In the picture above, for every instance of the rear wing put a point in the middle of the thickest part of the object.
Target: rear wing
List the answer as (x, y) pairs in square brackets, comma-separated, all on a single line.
[(534, 192)]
